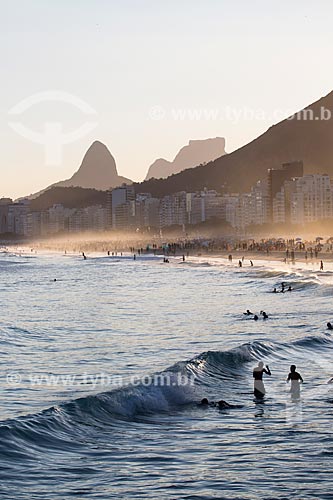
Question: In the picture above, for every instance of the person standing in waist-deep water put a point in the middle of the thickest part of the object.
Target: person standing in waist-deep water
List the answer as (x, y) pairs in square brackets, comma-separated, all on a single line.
[(295, 378), (259, 388)]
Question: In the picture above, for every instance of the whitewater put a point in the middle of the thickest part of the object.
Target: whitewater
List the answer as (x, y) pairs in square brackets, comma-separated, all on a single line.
[(104, 362)]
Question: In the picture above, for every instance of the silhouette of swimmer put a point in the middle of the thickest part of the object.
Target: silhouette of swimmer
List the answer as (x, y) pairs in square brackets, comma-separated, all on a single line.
[(258, 387), (295, 378), (248, 313), (221, 405), (251, 263), (264, 315), (255, 317), (321, 265), (84, 256), (329, 326), (204, 402), (289, 289), (275, 290)]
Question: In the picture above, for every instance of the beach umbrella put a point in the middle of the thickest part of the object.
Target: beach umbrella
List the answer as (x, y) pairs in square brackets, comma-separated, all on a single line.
[(299, 239)]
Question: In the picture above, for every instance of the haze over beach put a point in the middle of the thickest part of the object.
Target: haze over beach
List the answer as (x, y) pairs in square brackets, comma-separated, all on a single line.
[(166, 250)]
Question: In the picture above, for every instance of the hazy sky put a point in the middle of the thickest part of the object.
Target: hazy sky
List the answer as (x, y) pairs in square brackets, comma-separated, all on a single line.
[(145, 67)]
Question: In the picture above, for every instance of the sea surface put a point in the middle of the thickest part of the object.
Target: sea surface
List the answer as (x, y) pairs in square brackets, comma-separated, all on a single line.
[(102, 371)]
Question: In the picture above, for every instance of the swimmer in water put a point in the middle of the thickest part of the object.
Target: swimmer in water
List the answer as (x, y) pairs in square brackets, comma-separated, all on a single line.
[(275, 290), (321, 265), (220, 404), (295, 378), (264, 315), (259, 388), (223, 405), (251, 263), (248, 313), (289, 289), (255, 317), (204, 402), (329, 326)]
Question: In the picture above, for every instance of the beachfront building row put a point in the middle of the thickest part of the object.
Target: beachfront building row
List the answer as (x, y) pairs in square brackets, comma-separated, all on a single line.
[(18, 219), (182, 209), (280, 198), (125, 210), (304, 199), (298, 200)]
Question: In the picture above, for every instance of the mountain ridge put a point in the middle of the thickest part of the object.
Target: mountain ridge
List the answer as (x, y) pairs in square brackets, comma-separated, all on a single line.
[(98, 171), (194, 153), (288, 140)]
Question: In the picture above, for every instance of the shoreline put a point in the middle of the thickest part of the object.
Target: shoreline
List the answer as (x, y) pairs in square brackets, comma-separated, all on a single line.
[(272, 256)]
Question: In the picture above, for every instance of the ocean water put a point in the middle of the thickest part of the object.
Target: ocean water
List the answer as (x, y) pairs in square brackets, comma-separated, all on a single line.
[(102, 371)]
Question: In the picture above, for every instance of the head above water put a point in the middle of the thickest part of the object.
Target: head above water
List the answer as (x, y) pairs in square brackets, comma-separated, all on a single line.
[(260, 364), (293, 368), (204, 402)]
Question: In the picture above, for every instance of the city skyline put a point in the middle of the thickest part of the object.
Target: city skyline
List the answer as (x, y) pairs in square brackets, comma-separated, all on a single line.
[(284, 196), (210, 72)]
